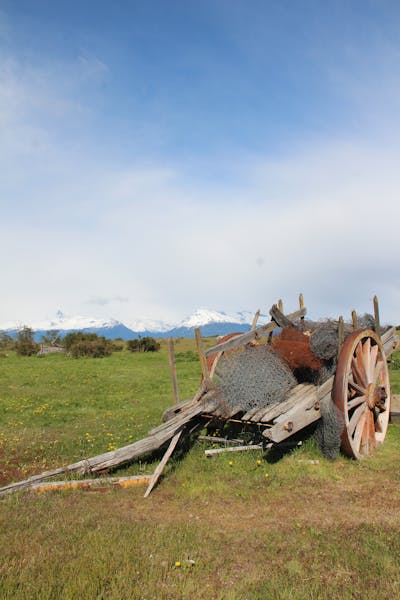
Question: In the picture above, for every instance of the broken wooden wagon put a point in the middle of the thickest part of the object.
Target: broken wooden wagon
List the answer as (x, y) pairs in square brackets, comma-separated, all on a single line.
[(356, 388)]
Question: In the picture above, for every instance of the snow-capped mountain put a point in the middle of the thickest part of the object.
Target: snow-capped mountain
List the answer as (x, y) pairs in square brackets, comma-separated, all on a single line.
[(204, 316), (211, 323), (64, 322)]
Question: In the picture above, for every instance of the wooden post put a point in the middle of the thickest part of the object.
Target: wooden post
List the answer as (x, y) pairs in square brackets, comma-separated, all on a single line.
[(301, 306), (164, 460), (376, 316), (255, 319), (280, 305), (172, 366), (340, 334), (354, 318), (203, 360)]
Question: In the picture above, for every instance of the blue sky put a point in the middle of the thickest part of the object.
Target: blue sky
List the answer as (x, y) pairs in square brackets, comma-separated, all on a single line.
[(157, 157)]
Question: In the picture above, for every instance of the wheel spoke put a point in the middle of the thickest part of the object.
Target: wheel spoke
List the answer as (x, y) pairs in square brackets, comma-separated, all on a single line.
[(374, 357), (360, 362), (378, 425), (355, 402), (365, 434), (357, 374), (371, 430), (356, 387), (366, 359), (355, 418), (378, 370), (359, 430)]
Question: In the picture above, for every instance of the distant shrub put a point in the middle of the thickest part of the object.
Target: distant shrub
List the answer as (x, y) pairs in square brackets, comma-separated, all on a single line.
[(52, 338), (117, 345), (6, 341), (87, 344), (146, 344), (25, 344)]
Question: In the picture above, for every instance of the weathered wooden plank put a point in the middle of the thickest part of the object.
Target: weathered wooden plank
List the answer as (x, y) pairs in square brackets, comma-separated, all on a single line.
[(376, 316), (218, 440), (247, 416), (214, 451), (255, 320), (279, 318), (301, 415), (390, 341), (247, 337), (157, 473), (75, 484), (273, 411)]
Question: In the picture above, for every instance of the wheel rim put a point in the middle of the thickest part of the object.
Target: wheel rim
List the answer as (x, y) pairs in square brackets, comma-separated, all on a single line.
[(361, 391)]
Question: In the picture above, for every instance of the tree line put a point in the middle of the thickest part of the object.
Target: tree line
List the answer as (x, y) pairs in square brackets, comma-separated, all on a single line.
[(75, 344)]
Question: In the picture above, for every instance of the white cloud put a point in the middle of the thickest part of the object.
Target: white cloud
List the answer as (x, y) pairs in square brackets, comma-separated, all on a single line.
[(322, 219)]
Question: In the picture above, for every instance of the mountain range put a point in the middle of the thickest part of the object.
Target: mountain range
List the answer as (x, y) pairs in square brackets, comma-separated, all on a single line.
[(211, 323)]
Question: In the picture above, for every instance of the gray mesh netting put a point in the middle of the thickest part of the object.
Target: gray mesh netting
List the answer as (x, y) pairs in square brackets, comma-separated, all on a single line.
[(329, 429), (253, 377), (366, 321), (324, 340)]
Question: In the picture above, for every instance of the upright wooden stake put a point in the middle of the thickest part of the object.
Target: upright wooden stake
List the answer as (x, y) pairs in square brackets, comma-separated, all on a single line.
[(164, 460), (354, 318), (202, 357), (340, 334), (280, 305), (255, 319), (172, 366), (376, 315), (301, 305)]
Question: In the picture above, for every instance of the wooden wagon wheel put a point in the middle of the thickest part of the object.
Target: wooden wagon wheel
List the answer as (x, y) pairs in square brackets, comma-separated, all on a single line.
[(361, 391)]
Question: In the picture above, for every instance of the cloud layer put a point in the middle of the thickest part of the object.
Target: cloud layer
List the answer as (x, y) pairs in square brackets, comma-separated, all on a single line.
[(86, 229)]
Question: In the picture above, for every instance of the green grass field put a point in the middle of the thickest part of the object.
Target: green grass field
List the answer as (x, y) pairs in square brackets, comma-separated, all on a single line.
[(288, 529)]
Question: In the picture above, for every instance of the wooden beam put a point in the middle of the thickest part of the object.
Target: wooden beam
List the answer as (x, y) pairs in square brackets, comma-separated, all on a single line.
[(218, 440), (340, 334), (76, 484), (280, 305), (247, 337), (214, 451), (376, 316), (279, 318), (354, 319), (301, 306), (202, 355), (255, 320), (164, 460), (172, 367)]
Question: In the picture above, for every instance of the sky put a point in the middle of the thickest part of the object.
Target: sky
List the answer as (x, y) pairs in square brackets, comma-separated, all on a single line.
[(157, 157)]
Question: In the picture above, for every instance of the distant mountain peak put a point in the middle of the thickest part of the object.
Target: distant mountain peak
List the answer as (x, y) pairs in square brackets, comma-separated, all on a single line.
[(212, 322)]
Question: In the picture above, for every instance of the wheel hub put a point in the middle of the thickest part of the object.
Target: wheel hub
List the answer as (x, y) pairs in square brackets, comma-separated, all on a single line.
[(375, 396)]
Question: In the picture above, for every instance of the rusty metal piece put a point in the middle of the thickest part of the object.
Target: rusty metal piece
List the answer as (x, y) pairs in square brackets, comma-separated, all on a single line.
[(288, 426), (294, 348)]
